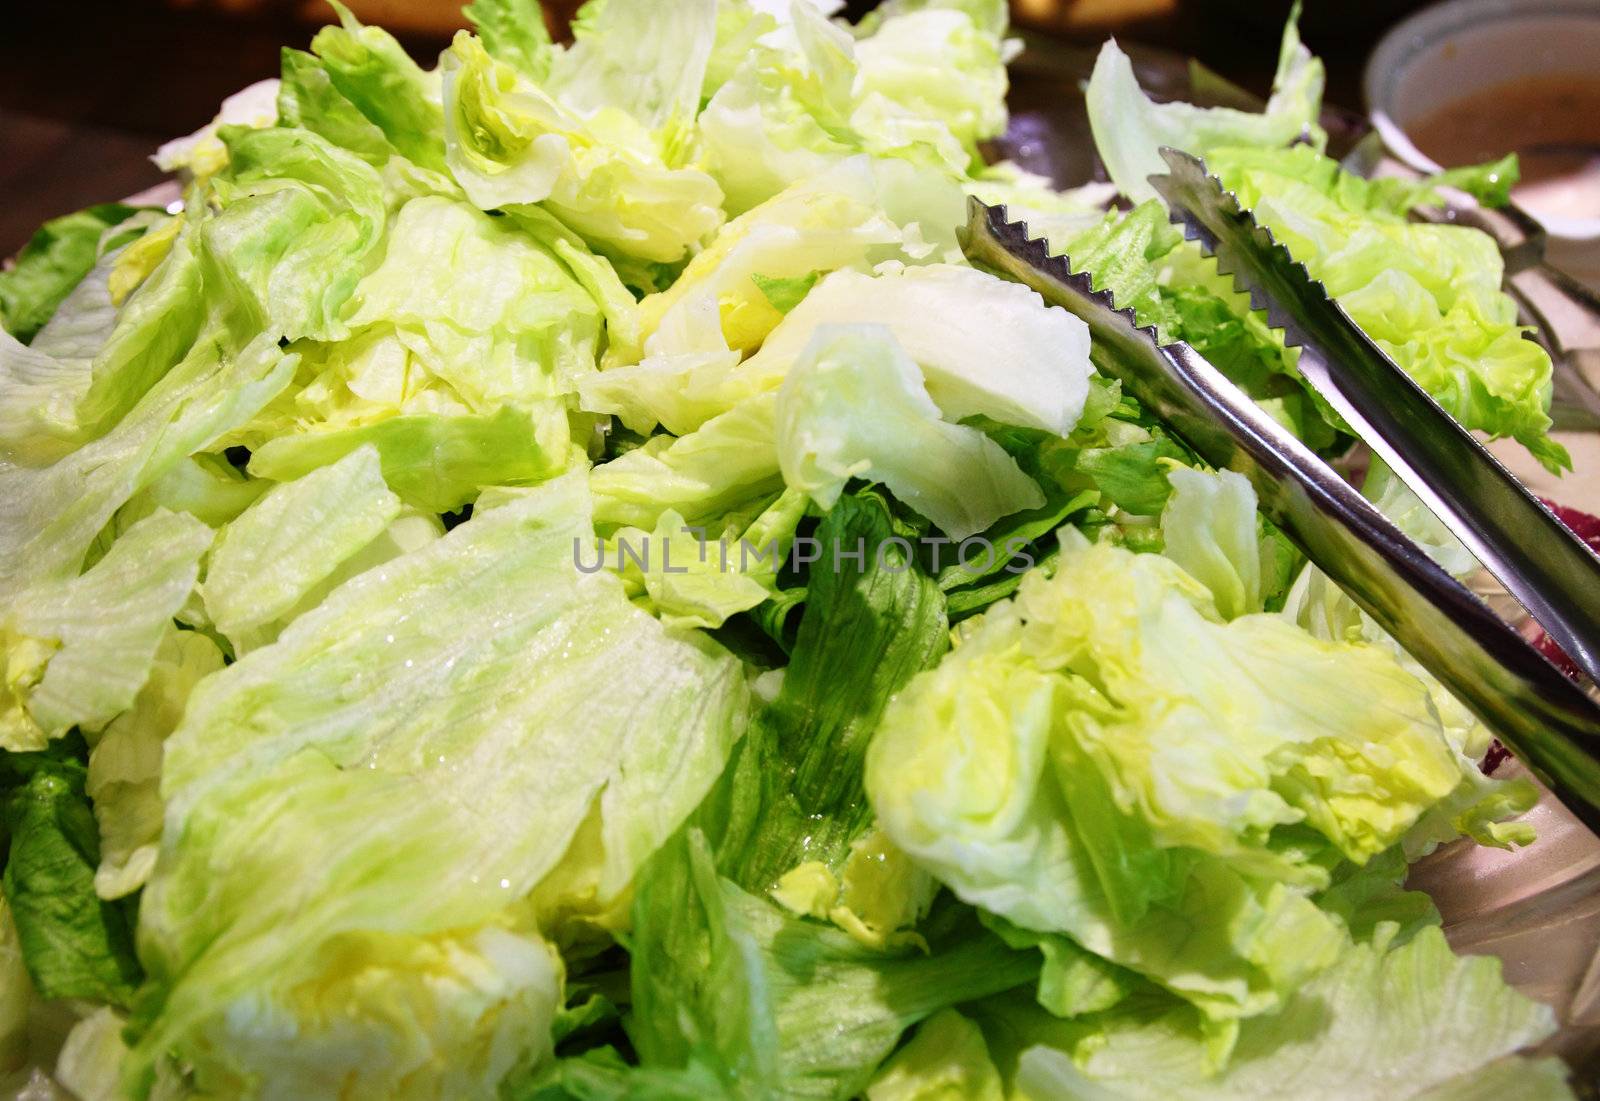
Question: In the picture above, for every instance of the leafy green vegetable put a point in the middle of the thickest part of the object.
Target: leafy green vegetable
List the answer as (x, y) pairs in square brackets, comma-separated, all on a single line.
[(49, 515), (1130, 128), (1209, 528), (511, 142), (54, 261), (294, 537), (477, 587), (869, 624), (373, 71), (16, 993), (365, 805), (925, 86), (1408, 1021), (785, 293), (729, 465), (1105, 758), (514, 32), (853, 406), (775, 1006), (1133, 475), (986, 347), (946, 1059), (125, 762), (75, 944), (78, 650)]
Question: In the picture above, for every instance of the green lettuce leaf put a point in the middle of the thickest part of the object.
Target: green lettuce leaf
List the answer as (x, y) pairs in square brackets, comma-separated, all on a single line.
[(308, 100), (1412, 1021), (290, 540), (78, 650), (854, 406), (795, 792), (374, 72), (16, 994), (55, 260), (727, 465), (923, 85), (985, 346), (691, 579), (358, 814), (298, 219), (1072, 981), (125, 762), (202, 153), (1209, 527), (91, 1057), (945, 1060), (644, 59), (1130, 128), (204, 485), (1169, 284), (1133, 475), (435, 462), (42, 384), (858, 214), (157, 329), (934, 73), (1104, 757), (775, 1006), (74, 944), (50, 515), (784, 294), (514, 31), (512, 143), (458, 380), (1481, 807)]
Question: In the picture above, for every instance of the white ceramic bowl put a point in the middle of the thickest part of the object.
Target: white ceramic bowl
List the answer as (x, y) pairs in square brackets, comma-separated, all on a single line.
[(1451, 50)]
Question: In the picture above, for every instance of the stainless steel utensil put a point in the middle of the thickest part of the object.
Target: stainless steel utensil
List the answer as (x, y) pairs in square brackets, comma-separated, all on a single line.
[(1543, 717)]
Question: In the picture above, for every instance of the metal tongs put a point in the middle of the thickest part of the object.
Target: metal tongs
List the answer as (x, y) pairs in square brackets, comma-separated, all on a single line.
[(1547, 720)]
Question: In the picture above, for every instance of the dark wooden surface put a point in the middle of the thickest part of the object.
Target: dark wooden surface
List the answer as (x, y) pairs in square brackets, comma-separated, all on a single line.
[(89, 89)]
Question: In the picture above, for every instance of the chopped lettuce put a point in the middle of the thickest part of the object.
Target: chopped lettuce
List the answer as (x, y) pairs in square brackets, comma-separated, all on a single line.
[(202, 152), (854, 406), (373, 72), (1387, 1021), (794, 794), (1209, 528), (1106, 758), (552, 576), (125, 762), (358, 862), (54, 261), (513, 31), (946, 1060), (986, 347), (50, 515), (511, 142), (78, 650), (924, 86), (730, 985), (268, 560), (16, 994), (1130, 128), (74, 944)]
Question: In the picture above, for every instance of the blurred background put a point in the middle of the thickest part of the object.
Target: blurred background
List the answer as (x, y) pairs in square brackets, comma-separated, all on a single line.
[(89, 89)]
